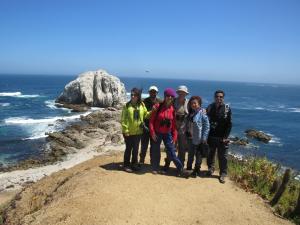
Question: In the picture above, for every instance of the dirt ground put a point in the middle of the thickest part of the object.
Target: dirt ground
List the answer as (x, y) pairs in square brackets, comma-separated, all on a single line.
[(98, 191)]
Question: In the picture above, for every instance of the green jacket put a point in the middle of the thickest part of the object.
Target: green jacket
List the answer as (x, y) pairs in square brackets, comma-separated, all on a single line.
[(131, 124)]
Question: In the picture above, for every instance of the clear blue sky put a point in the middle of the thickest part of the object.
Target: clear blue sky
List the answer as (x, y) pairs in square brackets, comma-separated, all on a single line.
[(242, 40)]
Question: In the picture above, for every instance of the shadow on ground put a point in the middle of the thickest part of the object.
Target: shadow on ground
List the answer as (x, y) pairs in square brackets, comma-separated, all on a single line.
[(146, 168)]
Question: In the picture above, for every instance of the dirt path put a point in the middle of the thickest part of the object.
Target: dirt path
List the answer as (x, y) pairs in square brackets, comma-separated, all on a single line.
[(98, 192)]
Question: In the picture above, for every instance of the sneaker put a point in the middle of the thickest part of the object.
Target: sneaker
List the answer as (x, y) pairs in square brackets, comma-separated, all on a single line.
[(222, 179), (128, 170)]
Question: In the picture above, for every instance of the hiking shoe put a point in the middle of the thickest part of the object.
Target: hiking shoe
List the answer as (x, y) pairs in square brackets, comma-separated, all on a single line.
[(195, 173), (222, 179), (154, 172), (135, 168), (128, 170), (210, 172), (182, 173)]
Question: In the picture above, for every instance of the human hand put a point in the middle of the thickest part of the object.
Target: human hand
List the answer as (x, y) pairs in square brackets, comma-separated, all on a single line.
[(154, 137), (226, 140)]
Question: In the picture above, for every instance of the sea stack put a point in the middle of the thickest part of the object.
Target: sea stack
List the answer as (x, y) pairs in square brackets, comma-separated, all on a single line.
[(94, 88)]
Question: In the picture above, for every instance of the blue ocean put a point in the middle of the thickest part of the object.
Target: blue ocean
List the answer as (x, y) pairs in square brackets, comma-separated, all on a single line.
[(27, 112)]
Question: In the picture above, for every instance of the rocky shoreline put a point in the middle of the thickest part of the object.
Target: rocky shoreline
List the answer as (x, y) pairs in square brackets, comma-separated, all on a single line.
[(96, 133)]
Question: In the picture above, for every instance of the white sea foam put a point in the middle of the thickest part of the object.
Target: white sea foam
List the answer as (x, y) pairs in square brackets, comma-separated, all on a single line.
[(274, 140), (4, 104), (26, 120), (17, 94), (52, 105), (36, 128), (296, 110), (10, 94), (144, 95), (28, 96)]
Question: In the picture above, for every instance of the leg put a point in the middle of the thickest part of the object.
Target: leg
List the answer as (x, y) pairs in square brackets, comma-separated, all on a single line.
[(181, 148), (211, 155), (191, 154), (144, 146), (222, 156), (128, 149), (135, 150), (167, 138), (155, 149), (198, 158)]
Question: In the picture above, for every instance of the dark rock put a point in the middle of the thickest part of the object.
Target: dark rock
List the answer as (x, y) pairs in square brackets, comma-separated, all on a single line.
[(258, 135), (74, 107), (239, 141)]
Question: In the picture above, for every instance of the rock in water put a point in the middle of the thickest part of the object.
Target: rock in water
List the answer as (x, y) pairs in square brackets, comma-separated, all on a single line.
[(94, 88), (259, 135)]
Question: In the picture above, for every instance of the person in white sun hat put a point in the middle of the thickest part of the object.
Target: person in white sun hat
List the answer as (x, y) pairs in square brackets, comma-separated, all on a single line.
[(149, 103), (181, 111)]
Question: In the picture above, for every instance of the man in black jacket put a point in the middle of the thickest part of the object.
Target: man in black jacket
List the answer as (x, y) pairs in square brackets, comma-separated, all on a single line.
[(219, 115), (149, 103)]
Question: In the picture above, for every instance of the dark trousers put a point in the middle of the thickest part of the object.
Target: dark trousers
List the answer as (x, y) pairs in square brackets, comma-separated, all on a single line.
[(170, 150), (132, 148), (194, 152), (216, 144), (145, 139), (181, 147)]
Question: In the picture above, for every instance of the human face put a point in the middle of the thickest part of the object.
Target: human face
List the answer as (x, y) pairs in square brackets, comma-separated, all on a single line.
[(195, 104), (181, 94), (169, 99), (152, 93), (219, 98), (134, 97)]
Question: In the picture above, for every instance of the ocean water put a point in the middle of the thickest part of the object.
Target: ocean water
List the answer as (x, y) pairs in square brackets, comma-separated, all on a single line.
[(27, 111)]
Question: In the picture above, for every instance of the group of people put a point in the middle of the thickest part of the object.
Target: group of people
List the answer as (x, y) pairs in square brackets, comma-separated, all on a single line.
[(182, 125)]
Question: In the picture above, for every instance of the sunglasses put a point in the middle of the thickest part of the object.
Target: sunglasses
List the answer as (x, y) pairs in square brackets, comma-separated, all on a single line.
[(219, 96), (168, 96), (134, 95)]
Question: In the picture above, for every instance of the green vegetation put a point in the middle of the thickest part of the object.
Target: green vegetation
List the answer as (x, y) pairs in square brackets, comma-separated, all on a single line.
[(263, 177)]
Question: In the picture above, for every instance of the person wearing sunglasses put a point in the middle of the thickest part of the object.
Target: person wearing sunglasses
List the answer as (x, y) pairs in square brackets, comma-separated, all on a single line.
[(132, 119), (149, 103), (163, 128), (219, 115)]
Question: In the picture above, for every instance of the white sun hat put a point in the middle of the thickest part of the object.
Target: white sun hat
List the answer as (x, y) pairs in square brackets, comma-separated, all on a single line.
[(182, 88), (153, 88)]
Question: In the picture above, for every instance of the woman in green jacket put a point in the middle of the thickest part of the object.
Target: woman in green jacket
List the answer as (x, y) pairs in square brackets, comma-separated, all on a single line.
[(133, 115)]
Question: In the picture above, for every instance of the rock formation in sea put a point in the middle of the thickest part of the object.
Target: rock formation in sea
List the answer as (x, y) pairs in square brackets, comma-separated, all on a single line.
[(94, 88), (258, 135)]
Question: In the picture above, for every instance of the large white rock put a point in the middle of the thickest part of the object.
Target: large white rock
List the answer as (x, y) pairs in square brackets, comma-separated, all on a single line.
[(94, 88)]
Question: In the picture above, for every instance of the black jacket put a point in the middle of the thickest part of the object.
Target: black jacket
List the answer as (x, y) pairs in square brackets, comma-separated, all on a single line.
[(220, 120)]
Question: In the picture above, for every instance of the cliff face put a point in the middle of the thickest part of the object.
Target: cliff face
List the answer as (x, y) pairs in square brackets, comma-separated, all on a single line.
[(94, 88)]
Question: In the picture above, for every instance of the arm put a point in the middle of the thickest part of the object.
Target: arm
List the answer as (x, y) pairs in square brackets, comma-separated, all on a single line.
[(205, 130), (152, 121), (124, 121), (173, 128), (228, 125)]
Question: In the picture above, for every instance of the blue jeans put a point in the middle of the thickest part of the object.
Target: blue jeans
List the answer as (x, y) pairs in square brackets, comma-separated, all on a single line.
[(170, 148)]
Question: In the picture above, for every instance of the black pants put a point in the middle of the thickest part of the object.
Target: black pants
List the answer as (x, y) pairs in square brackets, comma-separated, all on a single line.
[(216, 144), (132, 143), (145, 139), (194, 152)]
